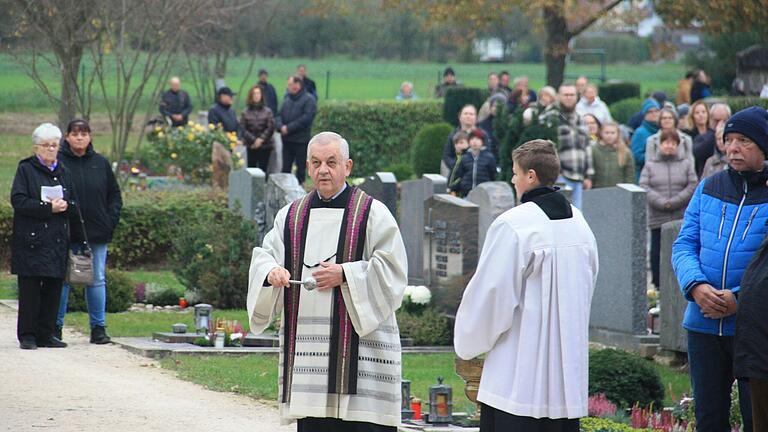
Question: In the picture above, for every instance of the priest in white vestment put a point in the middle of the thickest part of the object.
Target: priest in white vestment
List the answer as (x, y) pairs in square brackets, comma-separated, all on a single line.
[(340, 360), (528, 305)]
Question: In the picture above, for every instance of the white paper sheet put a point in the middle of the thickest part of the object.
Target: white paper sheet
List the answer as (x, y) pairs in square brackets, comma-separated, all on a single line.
[(50, 193)]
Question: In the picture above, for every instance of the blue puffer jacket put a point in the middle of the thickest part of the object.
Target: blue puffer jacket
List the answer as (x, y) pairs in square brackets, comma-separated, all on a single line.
[(723, 227)]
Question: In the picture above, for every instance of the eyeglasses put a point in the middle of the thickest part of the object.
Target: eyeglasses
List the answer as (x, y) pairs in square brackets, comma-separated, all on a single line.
[(48, 146)]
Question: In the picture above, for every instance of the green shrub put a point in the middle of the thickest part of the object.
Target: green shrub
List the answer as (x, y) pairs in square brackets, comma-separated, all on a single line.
[(211, 258), (738, 103), (428, 148), (120, 294), (379, 133), (6, 230), (457, 97), (624, 378), (591, 424), (162, 295), (427, 328), (613, 92), (402, 171), (148, 220), (621, 111)]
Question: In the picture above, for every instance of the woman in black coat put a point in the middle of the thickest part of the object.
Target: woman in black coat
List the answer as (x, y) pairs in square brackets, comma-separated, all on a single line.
[(42, 206)]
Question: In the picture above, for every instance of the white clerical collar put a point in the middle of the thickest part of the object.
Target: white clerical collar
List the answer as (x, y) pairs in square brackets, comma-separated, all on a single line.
[(333, 197)]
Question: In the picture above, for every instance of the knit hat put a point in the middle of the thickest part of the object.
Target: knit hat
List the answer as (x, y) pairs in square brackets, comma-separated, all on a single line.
[(648, 104), (751, 122)]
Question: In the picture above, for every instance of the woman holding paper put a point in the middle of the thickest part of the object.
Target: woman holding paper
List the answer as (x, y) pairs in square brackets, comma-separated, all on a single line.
[(41, 207)]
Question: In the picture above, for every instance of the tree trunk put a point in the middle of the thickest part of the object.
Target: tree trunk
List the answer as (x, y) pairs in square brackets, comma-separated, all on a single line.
[(556, 45), (70, 67)]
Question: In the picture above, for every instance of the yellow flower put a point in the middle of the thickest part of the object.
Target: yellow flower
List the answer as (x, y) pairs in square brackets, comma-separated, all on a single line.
[(160, 134), (211, 126), (190, 123), (158, 128), (191, 136), (173, 155), (240, 163), (232, 146)]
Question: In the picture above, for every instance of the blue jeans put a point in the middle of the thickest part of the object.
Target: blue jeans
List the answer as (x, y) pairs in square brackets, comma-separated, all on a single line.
[(710, 360), (95, 295), (576, 189)]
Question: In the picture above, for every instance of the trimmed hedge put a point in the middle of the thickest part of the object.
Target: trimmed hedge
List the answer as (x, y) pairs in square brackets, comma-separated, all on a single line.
[(6, 230), (621, 111), (457, 97), (613, 92), (379, 133), (738, 103), (428, 148), (148, 221), (120, 294), (624, 378)]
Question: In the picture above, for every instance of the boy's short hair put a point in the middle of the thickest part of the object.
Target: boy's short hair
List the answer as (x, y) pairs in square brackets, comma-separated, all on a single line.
[(460, 135), (539, 155)]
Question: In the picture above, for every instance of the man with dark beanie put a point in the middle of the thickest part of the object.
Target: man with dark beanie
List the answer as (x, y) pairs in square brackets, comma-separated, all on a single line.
[(723, 227), (750, 128)]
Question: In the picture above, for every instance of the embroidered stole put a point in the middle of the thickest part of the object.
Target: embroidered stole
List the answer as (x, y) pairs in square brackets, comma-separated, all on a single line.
[(342, 358)]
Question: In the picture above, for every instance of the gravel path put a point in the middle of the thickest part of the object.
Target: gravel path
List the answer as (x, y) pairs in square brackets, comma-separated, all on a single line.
[(105, 388)]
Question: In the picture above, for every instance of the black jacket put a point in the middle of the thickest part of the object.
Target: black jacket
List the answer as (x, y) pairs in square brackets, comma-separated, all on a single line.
[(297, 113), (225, 115), (309, 86), (176, 103), (96, 191), (269, 95), (751, 338), (40, 237), (449, 152), (474, 170)]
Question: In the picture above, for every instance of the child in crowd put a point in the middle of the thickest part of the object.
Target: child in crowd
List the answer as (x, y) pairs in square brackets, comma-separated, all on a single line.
[(460, 145), (527, 306), (669, 180), (476, 166), (612, 159)]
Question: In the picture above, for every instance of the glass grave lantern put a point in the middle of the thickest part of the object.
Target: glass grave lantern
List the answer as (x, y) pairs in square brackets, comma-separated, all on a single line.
[(440, 403), (406, 413), (202, 317)]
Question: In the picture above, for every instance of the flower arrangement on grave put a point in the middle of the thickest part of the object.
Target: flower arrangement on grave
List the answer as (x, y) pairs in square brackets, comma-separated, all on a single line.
[(188, 149), (416, 298), (232, 329)]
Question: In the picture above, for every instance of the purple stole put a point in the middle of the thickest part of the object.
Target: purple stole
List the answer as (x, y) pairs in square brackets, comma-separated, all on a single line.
[(342, 358)]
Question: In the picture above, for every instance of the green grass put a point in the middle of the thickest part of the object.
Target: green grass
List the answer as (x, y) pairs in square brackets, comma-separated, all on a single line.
[(256, 375), (8, 287), (675, 384), (349, 79)]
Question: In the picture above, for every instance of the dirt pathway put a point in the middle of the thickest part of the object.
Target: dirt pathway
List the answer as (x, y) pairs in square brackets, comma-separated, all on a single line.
[(104, 388)]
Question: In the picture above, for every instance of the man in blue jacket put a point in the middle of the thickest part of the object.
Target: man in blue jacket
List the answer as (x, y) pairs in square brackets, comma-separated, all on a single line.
[(723, 227)]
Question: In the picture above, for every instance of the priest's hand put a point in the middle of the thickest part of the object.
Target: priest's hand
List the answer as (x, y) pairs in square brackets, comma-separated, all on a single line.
[(329, 276), (279, 277)]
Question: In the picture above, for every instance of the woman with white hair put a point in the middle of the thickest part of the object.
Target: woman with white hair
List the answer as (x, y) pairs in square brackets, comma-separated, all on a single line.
[(42, 205)]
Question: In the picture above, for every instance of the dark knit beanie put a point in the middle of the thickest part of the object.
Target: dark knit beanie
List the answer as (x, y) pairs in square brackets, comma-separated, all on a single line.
[(751, 122)]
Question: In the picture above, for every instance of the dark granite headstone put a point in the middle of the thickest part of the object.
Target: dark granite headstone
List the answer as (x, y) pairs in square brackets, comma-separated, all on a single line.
[(493, 198), (282, 189), (412, 196), (450, 239), (383, 187), (617, 217), (671, 301)]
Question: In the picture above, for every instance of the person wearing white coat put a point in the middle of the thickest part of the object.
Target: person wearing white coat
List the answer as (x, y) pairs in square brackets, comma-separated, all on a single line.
[(528, 305)]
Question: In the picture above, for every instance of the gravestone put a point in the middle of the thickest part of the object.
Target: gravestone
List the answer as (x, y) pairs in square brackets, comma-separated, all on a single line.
[(671, 301), (247, 192), (282, 189), (450, 239), (383, 187), (617, 217), (493, 198), (412, 196)]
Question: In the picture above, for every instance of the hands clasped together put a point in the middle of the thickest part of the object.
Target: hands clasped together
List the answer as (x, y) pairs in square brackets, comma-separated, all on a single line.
[(714, 303)]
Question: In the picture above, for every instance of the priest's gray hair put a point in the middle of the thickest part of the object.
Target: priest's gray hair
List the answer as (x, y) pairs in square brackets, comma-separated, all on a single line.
[(327, 137), (46, 132)]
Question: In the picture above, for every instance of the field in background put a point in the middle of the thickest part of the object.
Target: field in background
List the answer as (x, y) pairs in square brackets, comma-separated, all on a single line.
[(349, 79)]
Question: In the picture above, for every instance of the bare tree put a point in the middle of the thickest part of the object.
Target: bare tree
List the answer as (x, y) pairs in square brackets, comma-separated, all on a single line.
[(65, 28)]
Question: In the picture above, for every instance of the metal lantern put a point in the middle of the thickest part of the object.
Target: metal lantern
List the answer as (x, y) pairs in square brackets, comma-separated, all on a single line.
[(406, 413), (440, 403), (202, 317)]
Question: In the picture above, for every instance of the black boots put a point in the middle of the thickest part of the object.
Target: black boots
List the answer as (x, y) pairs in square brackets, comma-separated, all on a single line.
[(99, 335), (51, 342), (28, 343), (57, 333)]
